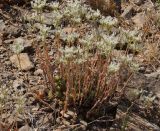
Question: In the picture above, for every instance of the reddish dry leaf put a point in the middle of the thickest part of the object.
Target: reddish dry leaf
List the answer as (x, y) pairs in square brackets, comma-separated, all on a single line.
[(39, 94)]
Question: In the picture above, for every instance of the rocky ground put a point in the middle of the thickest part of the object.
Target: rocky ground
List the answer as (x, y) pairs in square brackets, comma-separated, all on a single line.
[(24, 104)]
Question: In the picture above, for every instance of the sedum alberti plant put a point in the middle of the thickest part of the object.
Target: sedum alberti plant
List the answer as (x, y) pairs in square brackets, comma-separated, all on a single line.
[(86, 71)]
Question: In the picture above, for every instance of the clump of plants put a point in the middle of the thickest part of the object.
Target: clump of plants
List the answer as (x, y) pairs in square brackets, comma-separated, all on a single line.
[(86, 71), (11, 100)]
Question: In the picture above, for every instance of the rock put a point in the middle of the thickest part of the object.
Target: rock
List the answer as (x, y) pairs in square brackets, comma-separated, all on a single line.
[(11, 119), (138, 2), (31, 100), (68, 114), (148, 5), (25, 128), (58, 120), (71, 113), (2, 26), (8, 63), (0, 41), (158, 95), (20, 119), (65, 115), (136, 122), (142, 69), (34, 109), (43, 119), (74, 120), (22, 61), (12, 30), (61, 128), (127, 13), (8, 75), (65, 122), (82, 128), (17, 84), (8, 41), (38, 72), (139, 19), (3, 126), (148, 70), (83, 123), (154, 74), (27, 43), (2, 49), (5, 115)]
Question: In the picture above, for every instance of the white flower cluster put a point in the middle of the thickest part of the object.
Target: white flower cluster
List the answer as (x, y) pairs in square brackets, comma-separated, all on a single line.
[(18, 46), (33, 16), (88, 41), (72, 54), (57, 18), (131, 37), (20, 103), (113, 67), (104, 48), (36, 15), (93, 15), (128, 60), (4, 96), (105, 44), (108, 21), (38, 5), (70, 38), (74, 11), (4, 92), (110, 39), (55, 5), (44, 30)]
